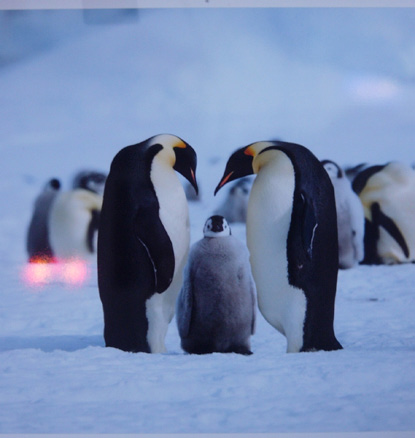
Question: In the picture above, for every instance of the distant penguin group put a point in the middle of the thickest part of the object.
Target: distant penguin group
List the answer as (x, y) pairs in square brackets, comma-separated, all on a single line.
[(305, 219)]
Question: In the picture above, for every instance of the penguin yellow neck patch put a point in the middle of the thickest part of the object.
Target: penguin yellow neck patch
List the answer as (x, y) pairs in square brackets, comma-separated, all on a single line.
[(180, 144), (250, 151)]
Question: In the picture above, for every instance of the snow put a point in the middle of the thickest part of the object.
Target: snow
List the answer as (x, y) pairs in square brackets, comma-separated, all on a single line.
[(220, 79)]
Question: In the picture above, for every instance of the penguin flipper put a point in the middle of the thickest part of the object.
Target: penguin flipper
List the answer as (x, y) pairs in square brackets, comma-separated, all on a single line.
[(309, 225), (154, 238), (92, 229), (389, 225)]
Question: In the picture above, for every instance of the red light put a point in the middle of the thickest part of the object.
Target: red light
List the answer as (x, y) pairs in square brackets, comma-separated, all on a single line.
[(74, 272), (39, 272)]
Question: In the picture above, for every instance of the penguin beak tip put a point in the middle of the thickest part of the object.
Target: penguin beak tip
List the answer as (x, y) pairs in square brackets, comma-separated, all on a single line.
[(194, 182)]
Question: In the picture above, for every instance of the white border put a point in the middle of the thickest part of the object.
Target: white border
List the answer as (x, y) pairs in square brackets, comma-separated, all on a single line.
[(224, 435), (156, 4), (134, 4)]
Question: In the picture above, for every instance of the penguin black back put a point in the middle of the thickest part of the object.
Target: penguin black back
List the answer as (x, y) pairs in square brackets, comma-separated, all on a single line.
[(309, 250), (37, 243), (136, 257), (125, 267), (312, 246)]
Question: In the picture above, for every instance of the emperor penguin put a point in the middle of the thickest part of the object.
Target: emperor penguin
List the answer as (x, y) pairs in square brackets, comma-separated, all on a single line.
[(350, 217), (91, 180), (387, 193), (143, 241), (352, 171), (216, 305), (292, 239), (73, 224), (37, 242)]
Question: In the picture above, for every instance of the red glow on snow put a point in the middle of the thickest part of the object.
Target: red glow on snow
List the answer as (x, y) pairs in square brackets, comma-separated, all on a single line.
[(74, 272), (40, 272)]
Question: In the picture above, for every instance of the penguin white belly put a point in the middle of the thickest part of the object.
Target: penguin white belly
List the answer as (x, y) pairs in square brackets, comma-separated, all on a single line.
[(69, 221), (268, 223), (388, 249), (174, 216), (174, 213)]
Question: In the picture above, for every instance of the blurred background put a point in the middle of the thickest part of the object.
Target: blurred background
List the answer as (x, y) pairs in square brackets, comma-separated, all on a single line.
[(78, 85)]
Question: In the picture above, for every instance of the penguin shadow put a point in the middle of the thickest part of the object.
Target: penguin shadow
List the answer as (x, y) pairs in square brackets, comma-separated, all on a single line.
[(48, 344)]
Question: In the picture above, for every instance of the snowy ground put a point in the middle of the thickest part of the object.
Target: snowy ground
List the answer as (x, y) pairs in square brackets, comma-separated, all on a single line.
[(76, 104)]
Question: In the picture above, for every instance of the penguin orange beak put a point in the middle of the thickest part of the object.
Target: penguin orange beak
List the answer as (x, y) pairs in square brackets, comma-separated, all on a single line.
[(239, 165)]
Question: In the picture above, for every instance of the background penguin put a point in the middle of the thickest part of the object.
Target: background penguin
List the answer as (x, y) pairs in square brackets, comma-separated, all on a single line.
[(234, 208), (143, 241), (387, 193), (350, 217), (292, 238), (37, 241), (216, 305), (91, 180), (74, 219), (352, 171)]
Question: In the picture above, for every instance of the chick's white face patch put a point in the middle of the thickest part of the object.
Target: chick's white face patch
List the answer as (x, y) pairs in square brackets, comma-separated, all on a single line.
[(216, 226)]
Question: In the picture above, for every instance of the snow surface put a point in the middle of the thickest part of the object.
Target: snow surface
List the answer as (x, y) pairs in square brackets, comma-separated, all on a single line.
[(220, 79)]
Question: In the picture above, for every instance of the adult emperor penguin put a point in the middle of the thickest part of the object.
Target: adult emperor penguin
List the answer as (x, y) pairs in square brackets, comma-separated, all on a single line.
[(387, 193), (143, 241), (91, 180), (73, 224), (350, 217), (292, 239), (216, 305), (37, 242)]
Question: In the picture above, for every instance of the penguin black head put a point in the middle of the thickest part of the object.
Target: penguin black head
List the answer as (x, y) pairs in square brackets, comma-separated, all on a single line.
[(183, 159), (238, 166), (241, 162), (216, 226), (186, 162), (90, 180), (53, 185), (333, 169)]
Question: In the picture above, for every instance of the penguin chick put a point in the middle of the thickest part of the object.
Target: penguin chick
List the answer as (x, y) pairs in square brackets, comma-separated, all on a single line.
[(216, 305), (143, 241), (37, 241), (350, 217), (292, 239)]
